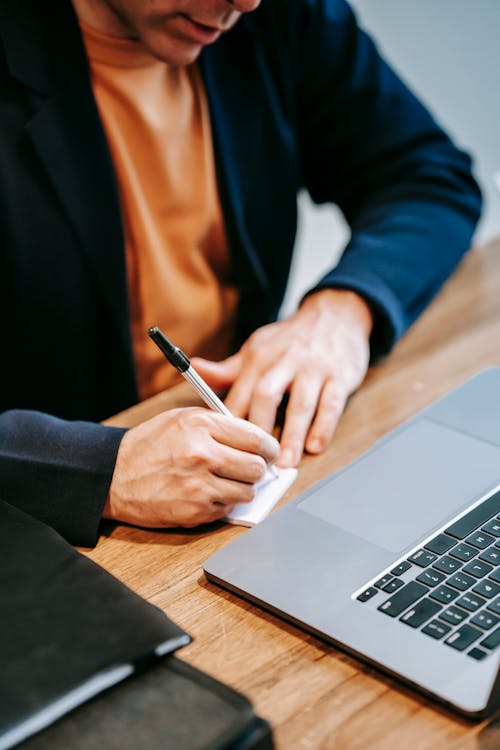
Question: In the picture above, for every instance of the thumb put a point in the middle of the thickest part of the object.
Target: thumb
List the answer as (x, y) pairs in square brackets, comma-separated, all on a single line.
[(218, 374)]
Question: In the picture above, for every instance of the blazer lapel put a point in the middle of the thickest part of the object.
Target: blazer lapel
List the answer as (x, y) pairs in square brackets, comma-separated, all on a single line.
[(230, 75), (68, 138)]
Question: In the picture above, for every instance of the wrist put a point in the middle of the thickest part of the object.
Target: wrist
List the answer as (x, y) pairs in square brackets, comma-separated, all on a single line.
[(340, 302), (110, 511)]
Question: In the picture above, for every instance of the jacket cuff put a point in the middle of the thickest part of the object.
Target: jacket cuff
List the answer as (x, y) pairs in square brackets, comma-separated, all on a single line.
[(58, 471)]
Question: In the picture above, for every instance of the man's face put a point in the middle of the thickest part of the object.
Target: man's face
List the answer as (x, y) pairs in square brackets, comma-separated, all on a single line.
[(174, 31)]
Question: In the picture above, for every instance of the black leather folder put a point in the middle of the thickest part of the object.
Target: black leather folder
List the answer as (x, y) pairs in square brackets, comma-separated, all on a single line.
[(68, 629), (171, 706)]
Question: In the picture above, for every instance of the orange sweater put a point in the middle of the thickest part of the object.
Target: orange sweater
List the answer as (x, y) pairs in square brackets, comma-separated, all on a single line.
[(179, 274)]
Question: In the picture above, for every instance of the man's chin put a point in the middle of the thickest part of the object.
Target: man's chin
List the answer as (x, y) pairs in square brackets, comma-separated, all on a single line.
[(173, 51)]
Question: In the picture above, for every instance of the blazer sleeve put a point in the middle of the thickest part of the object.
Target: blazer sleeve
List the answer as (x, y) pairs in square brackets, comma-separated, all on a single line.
[(370, 146), (58, 471)]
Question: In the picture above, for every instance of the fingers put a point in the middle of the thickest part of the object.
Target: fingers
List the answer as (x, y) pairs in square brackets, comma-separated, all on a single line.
[(312, 413), (257, 393), (218, 498), (238, 466), (330, 407), (267, 396), (240, 394), (218, 375), (244, 436), (302, 405), (188, 514), (228, 493)]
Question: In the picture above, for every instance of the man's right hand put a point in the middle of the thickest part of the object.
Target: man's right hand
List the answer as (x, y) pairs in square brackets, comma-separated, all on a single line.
[(186, 467)]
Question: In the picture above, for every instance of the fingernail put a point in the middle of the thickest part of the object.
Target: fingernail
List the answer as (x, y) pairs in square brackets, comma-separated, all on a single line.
[(314, 445)]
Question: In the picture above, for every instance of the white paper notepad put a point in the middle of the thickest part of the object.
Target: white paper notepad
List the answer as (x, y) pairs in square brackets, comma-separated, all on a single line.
[(268, 491)]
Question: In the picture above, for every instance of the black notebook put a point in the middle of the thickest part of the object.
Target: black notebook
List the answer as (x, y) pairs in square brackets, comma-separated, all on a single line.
[(68, 629), (171, 706)]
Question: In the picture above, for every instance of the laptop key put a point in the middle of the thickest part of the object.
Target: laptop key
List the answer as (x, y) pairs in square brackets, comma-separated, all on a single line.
[(393, 585), (491, 555), (461, 581), (453, 614), (444, 594), (463, 637), (492, 527), (403, 599), (480, 539), (440, 544), (447, 564), (431, 577), (464, 552), (475, 518), (492, 640), (494, 606), (471, 602), (404, 566), (478, 568), (422, 558), (485, 620), (420, 613), (495, 576), (382, 581), (477, 653), (486, 588), (368, 594), (436, 629)]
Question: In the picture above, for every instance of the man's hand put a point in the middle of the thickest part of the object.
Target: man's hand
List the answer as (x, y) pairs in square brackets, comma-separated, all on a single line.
[(319, 356), (185, 467)]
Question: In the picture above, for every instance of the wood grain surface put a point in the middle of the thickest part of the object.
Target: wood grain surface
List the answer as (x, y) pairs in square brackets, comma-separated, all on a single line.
[(314, 695)]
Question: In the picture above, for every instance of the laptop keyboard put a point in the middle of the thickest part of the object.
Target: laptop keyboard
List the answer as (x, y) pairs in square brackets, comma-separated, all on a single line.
[(449, 588)]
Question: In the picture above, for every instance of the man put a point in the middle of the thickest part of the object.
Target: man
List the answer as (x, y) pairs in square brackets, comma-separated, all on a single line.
[(151, 155)]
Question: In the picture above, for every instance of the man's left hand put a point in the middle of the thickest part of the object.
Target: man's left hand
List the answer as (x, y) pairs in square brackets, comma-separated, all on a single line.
[(319, 356)]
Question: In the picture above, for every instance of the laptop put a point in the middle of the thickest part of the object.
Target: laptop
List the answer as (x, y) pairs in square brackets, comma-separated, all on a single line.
[(396, 558)]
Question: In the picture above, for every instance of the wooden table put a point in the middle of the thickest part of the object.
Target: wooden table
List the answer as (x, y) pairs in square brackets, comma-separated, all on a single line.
[(314, 695)]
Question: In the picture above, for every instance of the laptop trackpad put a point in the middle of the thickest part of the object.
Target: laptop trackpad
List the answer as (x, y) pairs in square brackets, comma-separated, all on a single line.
[(404, 489)]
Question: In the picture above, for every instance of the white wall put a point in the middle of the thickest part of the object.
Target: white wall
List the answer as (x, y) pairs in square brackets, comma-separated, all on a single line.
[(448, 51)]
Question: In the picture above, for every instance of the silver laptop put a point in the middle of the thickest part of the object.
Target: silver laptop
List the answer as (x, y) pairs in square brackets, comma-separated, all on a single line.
[(396, 558)]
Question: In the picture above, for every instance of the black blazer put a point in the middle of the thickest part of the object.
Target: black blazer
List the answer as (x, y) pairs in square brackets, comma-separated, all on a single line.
[(298, 97)]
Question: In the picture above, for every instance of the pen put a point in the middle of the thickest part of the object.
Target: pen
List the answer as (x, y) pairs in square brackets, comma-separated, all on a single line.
[(181, 362)]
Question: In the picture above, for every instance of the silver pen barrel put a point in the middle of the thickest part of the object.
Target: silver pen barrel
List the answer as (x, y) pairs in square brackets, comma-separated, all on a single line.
[(206, 392)]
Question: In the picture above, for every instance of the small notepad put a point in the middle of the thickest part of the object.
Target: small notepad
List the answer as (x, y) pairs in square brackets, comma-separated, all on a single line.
[(268, 491)]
